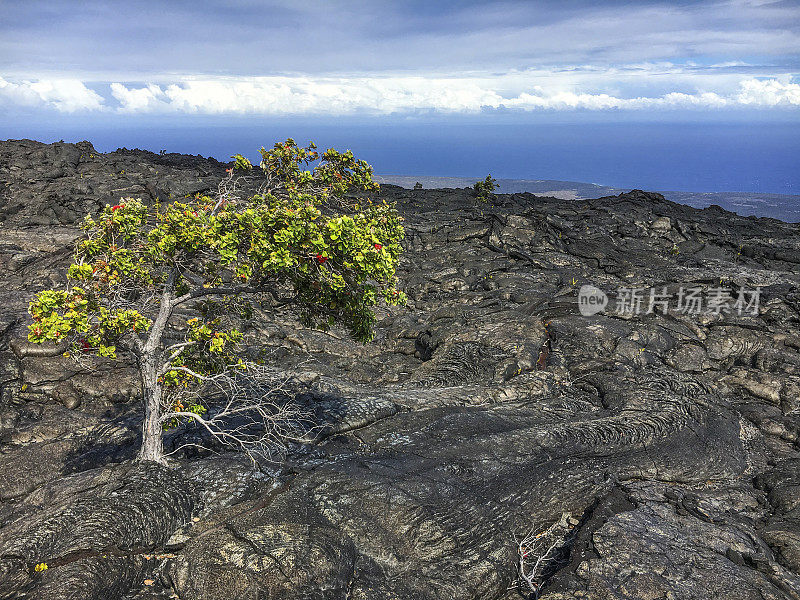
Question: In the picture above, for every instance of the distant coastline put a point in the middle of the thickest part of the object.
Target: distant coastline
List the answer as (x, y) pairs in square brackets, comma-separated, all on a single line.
[(785, 207)]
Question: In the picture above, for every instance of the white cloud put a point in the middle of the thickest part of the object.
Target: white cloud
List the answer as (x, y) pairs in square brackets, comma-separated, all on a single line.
[(304, 95), (63, 95), (563, 90), (137, 99), (771, 92)]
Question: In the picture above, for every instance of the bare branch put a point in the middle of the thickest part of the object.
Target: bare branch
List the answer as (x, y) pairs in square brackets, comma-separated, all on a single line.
[(536, 551), (204, 378), (176, 350), (251, 411), (180, 346), (25, 348), (232, 291)]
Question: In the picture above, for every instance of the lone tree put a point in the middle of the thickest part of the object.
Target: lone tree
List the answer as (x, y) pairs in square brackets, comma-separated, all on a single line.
[(167, 282), (484, 190)]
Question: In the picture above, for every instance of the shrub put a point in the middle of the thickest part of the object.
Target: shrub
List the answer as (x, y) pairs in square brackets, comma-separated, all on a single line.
[(484, 190)]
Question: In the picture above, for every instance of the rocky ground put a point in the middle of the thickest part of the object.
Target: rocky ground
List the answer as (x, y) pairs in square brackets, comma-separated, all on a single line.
[(665, 445)]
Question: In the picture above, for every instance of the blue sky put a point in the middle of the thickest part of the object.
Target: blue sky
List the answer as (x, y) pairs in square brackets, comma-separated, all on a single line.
[(404, 63)]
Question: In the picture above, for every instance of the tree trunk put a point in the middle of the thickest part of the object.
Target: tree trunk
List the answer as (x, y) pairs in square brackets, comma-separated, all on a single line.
[(152, 443), (149, 367)]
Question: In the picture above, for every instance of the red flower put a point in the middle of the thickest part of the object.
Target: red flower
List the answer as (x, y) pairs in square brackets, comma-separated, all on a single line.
[(229, 170), (85, 345), (378, 246), (117, 206), (321, 259)]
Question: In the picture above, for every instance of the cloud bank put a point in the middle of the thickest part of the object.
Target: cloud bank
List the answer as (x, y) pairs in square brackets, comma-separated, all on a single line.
[(63, 95), (304, 95)]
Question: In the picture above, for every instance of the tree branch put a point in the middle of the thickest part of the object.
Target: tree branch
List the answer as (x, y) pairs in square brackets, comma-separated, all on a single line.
[(535, 551), (176, 351), (227, 291), (256, 415), (204, 378)]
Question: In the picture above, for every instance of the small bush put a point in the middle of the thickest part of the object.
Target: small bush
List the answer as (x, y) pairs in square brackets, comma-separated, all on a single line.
[(484, 190)]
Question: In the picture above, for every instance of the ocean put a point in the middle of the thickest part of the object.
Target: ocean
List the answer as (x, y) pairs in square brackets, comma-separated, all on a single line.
[(692, 156)]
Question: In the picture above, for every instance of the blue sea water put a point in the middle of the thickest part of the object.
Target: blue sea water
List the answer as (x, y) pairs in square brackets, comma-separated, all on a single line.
[(745, 156)]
